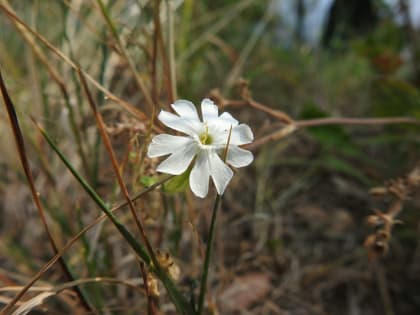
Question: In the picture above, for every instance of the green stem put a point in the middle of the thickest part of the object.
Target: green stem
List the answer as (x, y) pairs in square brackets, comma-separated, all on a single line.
[(203, 285)]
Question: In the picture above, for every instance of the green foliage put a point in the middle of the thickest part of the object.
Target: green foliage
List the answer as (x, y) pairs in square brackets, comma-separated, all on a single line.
[(148, 181), (388, 37), (339, 151), (340, 165), (178, 183), (394, 97), (330, 135)]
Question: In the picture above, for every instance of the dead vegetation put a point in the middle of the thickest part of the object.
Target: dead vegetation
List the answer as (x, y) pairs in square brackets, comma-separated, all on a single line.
[(289, 236)]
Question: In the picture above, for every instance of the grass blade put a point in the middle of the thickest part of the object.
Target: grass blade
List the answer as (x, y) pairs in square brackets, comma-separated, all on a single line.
[(124, 52), (108, 146), (177, 298), (73, 240), (138, 248), (20, 144)]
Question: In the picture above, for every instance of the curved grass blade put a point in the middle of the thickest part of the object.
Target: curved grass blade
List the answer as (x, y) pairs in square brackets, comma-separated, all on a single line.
[(177, 298), (138, 248)]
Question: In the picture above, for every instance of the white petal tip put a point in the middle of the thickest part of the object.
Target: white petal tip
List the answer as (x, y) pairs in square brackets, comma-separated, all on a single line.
[(248, 132), (199, 195), (167, 170)]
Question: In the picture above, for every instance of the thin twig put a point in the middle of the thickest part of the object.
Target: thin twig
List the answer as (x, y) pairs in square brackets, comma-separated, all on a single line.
[(300, 124), (356, 121), (248, 101)]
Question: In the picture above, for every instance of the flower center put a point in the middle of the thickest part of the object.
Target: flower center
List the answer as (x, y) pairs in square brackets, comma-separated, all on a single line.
[(205, 137)]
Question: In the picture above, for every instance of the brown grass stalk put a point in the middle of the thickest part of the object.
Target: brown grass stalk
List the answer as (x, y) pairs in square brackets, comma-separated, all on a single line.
[(20, 144), (111, 153), (70, 243)]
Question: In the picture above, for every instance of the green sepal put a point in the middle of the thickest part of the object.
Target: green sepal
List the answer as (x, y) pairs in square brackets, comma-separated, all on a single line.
[(178, 183)]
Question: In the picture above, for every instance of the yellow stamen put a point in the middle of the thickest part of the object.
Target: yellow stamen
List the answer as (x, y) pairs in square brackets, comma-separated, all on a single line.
[(205, 137)]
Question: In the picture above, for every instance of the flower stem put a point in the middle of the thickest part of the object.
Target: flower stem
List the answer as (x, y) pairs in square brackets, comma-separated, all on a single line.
[(203, 285)]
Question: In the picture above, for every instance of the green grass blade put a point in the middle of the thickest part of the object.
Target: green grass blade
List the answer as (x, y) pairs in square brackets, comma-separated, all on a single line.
[(20, 146), (177, 298), (137, 247)]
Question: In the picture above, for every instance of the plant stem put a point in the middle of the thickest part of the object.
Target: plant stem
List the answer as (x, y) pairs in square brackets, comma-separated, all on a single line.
[(203, 285)]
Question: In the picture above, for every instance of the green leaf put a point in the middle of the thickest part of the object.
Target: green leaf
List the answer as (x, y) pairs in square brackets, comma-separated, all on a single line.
[(148, 181), (178, 183), (340, 165)]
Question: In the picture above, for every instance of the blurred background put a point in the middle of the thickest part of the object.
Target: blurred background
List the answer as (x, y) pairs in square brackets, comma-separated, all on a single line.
[(290, 234)]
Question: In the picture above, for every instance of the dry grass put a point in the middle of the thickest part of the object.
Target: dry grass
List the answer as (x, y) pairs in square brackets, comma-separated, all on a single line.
[(289, 239)]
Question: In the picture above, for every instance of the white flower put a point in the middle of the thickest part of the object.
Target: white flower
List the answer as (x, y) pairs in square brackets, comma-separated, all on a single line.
[(205, 140)]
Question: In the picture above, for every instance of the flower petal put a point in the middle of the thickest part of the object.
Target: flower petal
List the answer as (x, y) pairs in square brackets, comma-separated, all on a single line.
[(199, 176), (164, 144), (185, 109), (228, 119), (238, 157), (188, 126), (209, 110), (219, 136), (220, 172), (241, 134), (179, 161)]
